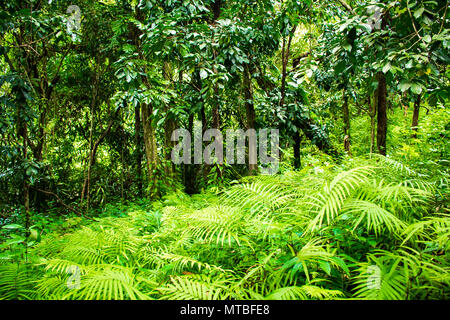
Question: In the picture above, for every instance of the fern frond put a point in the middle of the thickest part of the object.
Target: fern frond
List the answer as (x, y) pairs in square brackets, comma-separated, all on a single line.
[(380, 280), (260, 198), (374, 217), (216, 225), (195, 287), (328, 203), (109, 283), (16, 282)]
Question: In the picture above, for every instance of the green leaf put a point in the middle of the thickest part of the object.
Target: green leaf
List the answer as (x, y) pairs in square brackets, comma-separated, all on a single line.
[(13, 226), (325, 266), (387, 67), (416, 88), (403, 86), (419, 12), (347, 46), (339, 68)]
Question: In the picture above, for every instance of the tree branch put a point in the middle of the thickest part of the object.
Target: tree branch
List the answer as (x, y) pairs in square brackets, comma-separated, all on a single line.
[(347, 6), (60, 201)]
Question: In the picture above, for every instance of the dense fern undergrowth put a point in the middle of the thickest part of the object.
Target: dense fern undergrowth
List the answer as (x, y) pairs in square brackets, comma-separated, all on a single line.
[(364, 229)]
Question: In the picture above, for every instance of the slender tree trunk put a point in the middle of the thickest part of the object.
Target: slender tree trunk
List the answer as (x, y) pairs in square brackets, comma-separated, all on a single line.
[(215, 110), (415, 120), (138, 144), (297, 147), (285, 52), (26, 184), (122, 161), (22, 132), (190, 169), (382, 114), (249, 108), (347, 136), (372, 115), (91, 162), (202, 116), (217, 9), (169, 127), (87, 182), (151, 151), (86, 185)]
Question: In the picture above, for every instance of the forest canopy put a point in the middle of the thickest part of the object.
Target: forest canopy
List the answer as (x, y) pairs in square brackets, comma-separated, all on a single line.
[(348, 98)]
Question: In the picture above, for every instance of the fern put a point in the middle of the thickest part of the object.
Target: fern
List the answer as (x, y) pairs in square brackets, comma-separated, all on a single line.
[(194, 287), (381, 280), (16, 282), (375, 218), (326, 205), (305, 292)]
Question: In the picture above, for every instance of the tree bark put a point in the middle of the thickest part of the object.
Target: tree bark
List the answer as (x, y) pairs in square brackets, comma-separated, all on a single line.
[(138, 144), (381, 113), (151, 151), (285, 51), (347, 7), (297, 154), (347, 136), (190, 169), (249, 108), (215, 110), (372, 115), (216, 9), (22, 131), (169, 127)]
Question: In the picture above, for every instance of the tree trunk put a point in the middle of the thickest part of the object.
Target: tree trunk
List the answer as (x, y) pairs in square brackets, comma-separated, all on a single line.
[(372, 115), (297, 154), (314, 133), (151, 151), (87, 181), (249, 108), (382, 113), (138, 143), (190, 169), (215, 110), (415, 120), (217, 9), (26, 184), (169, 127), (285, 51), (346, 113)]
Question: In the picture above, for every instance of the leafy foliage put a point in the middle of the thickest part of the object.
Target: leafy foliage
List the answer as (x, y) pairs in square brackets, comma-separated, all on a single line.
[(258, 250)]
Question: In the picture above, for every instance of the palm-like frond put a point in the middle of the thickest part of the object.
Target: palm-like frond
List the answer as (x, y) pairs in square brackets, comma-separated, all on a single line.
[(380, 280), (305, 292), (179, 262), (194, 287), (109, 284), (313, 252), (375, 218), (327, 203), (219, 225), (434, 228), (16, 282), (260, 198)]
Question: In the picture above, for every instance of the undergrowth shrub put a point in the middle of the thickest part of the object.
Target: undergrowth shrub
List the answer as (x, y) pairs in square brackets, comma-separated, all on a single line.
[(368, 228)]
